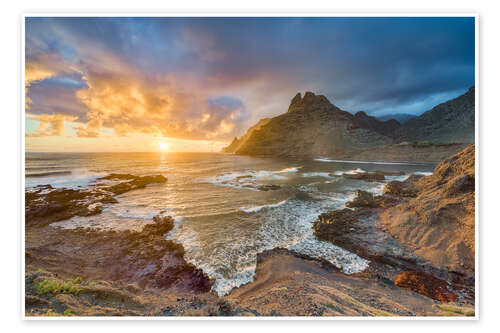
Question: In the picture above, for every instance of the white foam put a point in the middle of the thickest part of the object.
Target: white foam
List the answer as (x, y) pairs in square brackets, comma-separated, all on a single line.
[(248, 179), (323, 159), (292, 169), (317, 174), (233, 262), (259, 208), (422, 173), (349, 172), (77, 178)]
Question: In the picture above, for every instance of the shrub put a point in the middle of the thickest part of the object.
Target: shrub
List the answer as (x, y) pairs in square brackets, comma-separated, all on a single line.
[(48, 286)]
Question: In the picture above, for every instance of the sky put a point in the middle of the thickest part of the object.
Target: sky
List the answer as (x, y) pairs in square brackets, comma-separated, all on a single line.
[(193, 84)]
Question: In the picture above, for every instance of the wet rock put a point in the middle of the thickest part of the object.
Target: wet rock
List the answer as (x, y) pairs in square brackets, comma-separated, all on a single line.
[(268, 187), (426, 285), (46, 204), (142, 257), (335, 226), (367, 200), (363, 199), (118, 176), (366, 176)]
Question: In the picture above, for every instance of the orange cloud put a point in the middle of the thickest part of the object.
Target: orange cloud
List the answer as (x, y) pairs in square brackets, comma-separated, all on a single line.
[(50, 125)]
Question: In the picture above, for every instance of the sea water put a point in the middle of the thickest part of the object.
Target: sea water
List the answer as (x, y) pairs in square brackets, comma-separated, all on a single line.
[(222, 218)]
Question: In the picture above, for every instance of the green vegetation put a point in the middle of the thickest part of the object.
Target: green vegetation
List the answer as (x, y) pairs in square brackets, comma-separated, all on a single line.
[(447, 310), (67, 312), (49, 286)]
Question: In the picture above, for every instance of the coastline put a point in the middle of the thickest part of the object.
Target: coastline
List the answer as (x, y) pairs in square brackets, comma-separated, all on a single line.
[(395, 153), (286, 283)]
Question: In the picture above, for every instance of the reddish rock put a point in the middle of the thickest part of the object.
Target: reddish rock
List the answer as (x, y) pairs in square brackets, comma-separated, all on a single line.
[(426, 285)]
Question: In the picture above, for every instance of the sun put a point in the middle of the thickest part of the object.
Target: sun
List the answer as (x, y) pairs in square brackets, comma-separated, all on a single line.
[(163, 146)]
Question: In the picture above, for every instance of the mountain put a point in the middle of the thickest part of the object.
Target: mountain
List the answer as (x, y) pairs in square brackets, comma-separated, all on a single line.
[(236, 143), (452, 121), (312, 126), (399, 117), (387, 128)]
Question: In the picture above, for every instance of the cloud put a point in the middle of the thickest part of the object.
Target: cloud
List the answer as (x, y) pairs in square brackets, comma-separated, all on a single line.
[(211, 78), (50, 125)]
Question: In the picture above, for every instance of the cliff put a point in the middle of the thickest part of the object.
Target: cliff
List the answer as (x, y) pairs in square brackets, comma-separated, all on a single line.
[(312, 126), (439, 222)]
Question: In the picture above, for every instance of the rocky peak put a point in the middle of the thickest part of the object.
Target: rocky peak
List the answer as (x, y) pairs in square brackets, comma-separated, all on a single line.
[(309, 102), (361, 114)]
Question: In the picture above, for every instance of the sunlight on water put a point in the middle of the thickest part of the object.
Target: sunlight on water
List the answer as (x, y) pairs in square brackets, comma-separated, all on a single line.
[(224, 213)]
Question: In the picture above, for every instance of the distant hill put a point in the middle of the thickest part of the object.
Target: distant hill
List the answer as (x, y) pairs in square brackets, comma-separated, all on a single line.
[(451, 121), (312, 126), (400, 117)]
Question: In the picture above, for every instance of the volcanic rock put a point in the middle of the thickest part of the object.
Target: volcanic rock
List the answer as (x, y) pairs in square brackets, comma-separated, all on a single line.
[(427, 285), (400, 189)]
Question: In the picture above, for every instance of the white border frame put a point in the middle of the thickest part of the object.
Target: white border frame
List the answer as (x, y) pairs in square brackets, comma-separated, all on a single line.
[(244, 14)]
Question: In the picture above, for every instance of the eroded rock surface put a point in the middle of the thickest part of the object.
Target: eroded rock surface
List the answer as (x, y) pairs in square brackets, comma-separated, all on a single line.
[(45, 204), (423, 225), (427, 285), (144, 257), (440, 221)]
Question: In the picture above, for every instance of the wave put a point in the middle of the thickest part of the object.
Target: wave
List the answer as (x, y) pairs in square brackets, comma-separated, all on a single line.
[(317, 174), (49, 173), (69, 179), (322, 159), (291, 169), (248, 179), (259, 208), (422, 173), (349, 172)]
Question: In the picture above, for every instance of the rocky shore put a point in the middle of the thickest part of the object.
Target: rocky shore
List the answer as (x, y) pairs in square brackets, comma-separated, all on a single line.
[(143, 259), (419, 233), (418, 236)]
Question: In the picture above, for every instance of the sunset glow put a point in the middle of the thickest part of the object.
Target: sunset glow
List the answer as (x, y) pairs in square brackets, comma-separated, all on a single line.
[(163, 146), (118, 84)]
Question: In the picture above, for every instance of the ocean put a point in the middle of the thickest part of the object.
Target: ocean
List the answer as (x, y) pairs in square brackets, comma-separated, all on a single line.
[(225, 208)]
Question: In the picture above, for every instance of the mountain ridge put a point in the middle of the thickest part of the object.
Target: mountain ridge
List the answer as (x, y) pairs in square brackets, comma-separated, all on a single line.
[(313, 126)]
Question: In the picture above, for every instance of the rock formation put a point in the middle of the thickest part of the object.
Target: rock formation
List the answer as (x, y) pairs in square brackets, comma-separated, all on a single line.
[(439, 221), (237, 143), (313, 127), (452, 121)]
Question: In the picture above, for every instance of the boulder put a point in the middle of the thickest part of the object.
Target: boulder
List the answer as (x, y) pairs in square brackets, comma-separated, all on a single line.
[(366, 176), (363, 199)]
